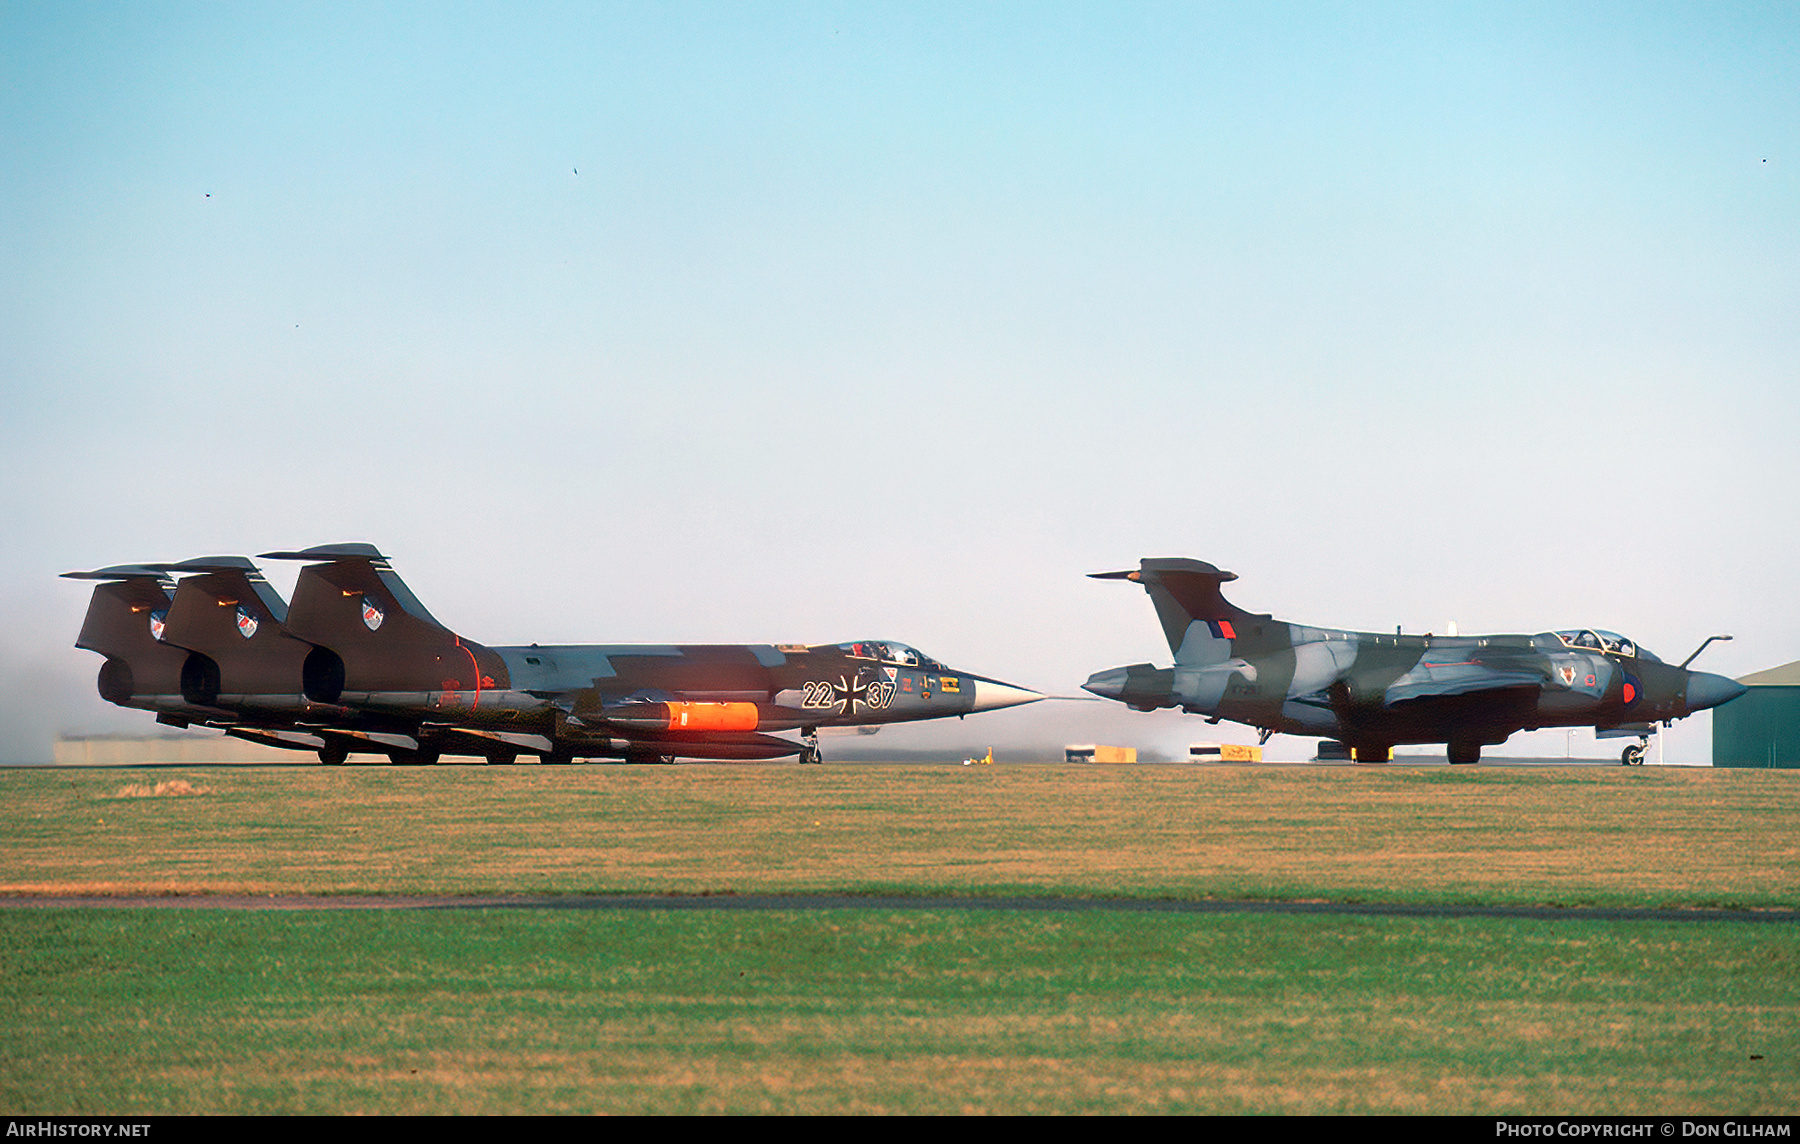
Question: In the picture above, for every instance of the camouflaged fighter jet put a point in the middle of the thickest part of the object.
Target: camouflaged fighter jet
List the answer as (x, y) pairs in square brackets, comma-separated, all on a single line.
[(357, 665), (1375, 691)]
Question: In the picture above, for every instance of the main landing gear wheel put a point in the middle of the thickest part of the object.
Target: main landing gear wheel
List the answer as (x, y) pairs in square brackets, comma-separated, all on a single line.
[(333, 754), (1462, 754), (1633, 755)]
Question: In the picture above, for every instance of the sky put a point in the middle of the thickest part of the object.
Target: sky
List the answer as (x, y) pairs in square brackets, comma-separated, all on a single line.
[(807, 322)]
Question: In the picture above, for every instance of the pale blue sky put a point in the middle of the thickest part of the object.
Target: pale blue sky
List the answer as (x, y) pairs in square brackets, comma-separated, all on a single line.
[(895, 320)]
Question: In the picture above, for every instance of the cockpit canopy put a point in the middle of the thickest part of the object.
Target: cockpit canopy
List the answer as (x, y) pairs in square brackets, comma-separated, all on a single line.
[(887, 651), (1590, 639)]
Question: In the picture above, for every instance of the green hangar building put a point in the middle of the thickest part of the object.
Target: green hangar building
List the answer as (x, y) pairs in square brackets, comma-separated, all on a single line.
[(1761, 728)]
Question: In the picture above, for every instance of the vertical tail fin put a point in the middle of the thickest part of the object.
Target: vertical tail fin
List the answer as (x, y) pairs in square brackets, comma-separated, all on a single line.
[(125, 622), (350, 601), (1199, 623), (235, 624)]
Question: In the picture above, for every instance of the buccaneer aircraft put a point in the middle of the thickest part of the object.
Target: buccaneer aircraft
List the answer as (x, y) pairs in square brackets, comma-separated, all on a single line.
[(357, 665), (1375, 691)]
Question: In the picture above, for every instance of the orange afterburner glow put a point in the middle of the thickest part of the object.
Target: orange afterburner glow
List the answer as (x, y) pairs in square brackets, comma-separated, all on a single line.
[(712, 716)]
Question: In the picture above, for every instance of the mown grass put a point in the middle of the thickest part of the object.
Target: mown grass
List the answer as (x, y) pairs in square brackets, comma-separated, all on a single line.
[(506, 1011), (1561, 836), (133, 1011)]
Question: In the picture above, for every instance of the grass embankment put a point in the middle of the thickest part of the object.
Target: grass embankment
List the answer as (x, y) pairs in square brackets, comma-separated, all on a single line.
[(1575, 836), (148, 1011), (136, 1011)]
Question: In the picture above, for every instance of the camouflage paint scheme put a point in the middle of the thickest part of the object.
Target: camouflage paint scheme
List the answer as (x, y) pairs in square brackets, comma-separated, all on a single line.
[(357, 665), (1375, 691)]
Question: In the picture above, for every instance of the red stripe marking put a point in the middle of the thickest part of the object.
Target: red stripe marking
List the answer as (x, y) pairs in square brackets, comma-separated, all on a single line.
[(477, 669)]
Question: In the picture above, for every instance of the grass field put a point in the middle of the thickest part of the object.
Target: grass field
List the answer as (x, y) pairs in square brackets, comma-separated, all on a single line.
[(495, 1010)]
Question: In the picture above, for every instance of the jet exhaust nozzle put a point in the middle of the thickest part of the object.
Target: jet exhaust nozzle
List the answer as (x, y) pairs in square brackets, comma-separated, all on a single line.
[(1139, 685)]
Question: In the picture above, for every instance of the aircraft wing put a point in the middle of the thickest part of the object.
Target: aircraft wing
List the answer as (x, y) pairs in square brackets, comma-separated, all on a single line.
[(1443, 680)]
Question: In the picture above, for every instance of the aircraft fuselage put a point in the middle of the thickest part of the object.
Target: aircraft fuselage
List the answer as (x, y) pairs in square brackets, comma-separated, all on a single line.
[(357, 664), (1376, 691)]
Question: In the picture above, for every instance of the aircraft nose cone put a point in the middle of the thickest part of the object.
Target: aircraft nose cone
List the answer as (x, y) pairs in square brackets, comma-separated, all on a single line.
[(1707, 690), (990, 695), (1108, 684)]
